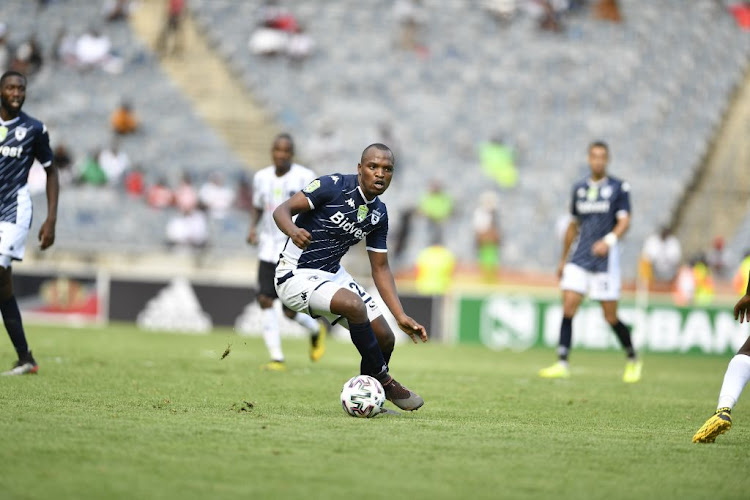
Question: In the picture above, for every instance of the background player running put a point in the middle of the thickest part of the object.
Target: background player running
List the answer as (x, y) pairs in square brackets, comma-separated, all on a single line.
[(735, 380), (336, 212), (601, 215), (22, 139), (272, 186)]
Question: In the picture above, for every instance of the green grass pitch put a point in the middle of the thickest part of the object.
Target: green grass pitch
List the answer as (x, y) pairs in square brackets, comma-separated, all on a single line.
[(118, 413)]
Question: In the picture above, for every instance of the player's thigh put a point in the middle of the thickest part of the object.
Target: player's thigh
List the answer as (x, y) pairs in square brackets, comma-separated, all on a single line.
[(345, 280), (605, 287), (574, 284)]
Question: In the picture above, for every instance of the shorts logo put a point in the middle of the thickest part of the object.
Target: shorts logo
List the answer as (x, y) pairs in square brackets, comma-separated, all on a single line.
[(314, 278), (3, 133), (312, 186), (375, 217), (20, 133), (303, 296), (362, 212)]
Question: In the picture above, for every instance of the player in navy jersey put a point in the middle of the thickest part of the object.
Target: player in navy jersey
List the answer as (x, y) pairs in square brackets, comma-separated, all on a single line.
[(600, 207), (335, 212), (23, 139)]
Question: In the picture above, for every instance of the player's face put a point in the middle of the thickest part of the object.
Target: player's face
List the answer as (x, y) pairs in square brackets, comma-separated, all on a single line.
[(13, 94), (598, 158), (375, 172), (282, 153)]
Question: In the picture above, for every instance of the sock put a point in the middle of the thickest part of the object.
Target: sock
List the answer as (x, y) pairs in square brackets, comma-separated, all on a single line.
[(308, 323), (271, 333), (14, 325), (566, 338), (623, 335), (373, 362), (735, 379)]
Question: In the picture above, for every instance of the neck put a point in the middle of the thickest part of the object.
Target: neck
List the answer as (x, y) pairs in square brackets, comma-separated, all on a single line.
[(282, 170), (6, 114), (597, 178), (364, 193)]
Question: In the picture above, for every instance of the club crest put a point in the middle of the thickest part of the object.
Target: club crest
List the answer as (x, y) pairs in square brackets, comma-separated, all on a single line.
[(20, 133), (362, 213), (375, 217)]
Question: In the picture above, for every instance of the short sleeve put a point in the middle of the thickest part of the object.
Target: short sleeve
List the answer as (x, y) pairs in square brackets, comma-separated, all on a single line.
[(258, 201), (573, 209), (321, 190), (42, 150), (622, 203), (376, 240)]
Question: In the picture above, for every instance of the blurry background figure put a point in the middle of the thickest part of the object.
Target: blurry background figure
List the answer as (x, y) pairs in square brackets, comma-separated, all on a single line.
[(93, 49), (401, 235), (718, 258), (5, 51), (411, 18), (300, 45), (114, 163), (244, 200), (497, 162), (116, 10), (694, 283), (135, 182), (216, 196), (63, 161), (608, 10), (502, 11), (64, 48), (435, 266), (90, 172), (187, 231), (123, 119), (486, 223), (186, 195), (171, 37), (28, 57), (739, 281), (159, 195), (663, 253), (436, 205)]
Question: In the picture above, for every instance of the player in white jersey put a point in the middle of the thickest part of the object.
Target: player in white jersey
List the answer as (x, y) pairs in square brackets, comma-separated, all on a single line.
[(271, 187), (23, 139)]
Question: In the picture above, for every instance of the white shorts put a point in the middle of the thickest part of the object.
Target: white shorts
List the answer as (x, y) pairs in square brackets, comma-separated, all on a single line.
[(604, 286), (12, 242), (310, 291)]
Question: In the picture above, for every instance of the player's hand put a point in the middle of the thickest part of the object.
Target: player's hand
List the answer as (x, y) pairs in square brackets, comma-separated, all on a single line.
[(412, 329), (742, 309), (600, 249), (252, 237), (300, 237), (47, 234)]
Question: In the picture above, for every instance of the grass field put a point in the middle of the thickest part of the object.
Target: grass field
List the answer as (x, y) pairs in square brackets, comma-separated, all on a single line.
[(117, 413)]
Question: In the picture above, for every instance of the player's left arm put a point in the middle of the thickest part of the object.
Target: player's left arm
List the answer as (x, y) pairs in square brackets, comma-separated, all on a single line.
[(43, 153), (386, 285), (622, 214)]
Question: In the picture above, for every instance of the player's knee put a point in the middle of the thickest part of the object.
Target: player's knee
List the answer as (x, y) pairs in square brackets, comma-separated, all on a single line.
[(354, 309), (265, 301), (611, 318)]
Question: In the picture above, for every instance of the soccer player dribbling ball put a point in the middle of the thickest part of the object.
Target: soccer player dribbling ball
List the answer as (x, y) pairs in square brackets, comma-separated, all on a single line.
[(600, 207), (22, 139), (735, 380), (335, 212)]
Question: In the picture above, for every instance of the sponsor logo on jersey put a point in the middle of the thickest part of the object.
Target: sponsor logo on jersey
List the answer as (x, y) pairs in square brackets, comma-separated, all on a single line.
[(312, 186), (20, 133), (12, 152), (362, 212), (348, 226), (375, 217), (592, 207), (335, 178), (350, 202)]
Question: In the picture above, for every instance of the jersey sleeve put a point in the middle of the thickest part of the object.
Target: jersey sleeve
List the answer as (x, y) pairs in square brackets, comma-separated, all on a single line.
[(622, 203), (320, 191), (258, 201), (376, 240), (573, 209), (42, 150)]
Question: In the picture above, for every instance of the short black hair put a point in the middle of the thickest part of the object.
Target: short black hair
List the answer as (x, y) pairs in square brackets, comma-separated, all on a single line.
[(10, 73), (599, 144), (379, 146), (284, 136)]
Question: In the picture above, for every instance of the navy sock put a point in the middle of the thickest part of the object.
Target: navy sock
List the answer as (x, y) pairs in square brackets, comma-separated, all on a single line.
[(373, 362), (623, 335), (566, 338), (14, 325)]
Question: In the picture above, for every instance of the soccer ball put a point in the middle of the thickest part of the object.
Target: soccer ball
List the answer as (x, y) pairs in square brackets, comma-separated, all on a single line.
[(362, 396)]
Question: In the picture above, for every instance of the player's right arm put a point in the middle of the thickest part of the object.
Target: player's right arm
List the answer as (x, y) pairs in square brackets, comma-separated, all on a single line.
[(570, 236), (255, 214), (283, 214), (742, 309)]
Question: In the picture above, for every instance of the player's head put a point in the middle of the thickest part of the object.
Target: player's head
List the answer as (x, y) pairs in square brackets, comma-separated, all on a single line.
[(282, 151), (375, 169), (598, 158), (12, 92)]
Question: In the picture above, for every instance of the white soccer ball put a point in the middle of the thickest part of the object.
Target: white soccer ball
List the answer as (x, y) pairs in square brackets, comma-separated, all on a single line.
[(362, 396)]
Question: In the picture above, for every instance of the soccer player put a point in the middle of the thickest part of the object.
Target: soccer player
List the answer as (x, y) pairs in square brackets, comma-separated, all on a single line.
[(735, 379), (22, 140), (272, 186), (335, 212), (600, 207)]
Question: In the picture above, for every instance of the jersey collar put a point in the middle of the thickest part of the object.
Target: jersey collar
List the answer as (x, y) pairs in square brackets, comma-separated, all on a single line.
[(362, 194), (600, 182), (9, 122)]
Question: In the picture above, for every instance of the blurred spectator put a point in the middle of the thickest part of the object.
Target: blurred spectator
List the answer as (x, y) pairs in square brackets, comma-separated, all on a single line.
[(300, 45), (694, 283), (172, 33), (135, 182), (91, 172), (550, 18), (216, 196), (401, 236), (486, 223), (274, 16), (114, 162), (159, 195), (92, 49), (663, 253), (718, 258), (608, 10), (63, 160), (116, 10), (411, 17), (435, 265), (437, 206), (123, 119), (188, 230), (497, 162), (739, 281), (5, 50), (502, 11), (28, 58), (64, 48), (244, 194), (265, 41), (186, 196)]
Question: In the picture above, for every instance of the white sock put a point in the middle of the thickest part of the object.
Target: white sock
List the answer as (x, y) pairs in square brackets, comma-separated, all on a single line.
[(310, 324), (271, 334), (735, 379)]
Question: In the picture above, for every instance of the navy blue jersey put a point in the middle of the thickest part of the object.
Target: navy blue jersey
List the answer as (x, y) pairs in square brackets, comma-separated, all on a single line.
[(340, 218), (597, 206), (22, 140)]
